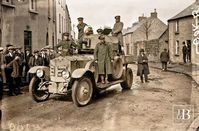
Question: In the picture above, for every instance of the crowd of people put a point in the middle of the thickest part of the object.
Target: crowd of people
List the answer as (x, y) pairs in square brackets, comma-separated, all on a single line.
[(15, 65)]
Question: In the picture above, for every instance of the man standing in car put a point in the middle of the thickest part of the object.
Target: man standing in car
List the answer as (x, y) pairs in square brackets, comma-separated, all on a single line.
[(103, 56), (117, 31)]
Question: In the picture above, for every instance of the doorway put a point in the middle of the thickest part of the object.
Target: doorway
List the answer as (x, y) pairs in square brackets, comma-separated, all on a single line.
[(28, 40)]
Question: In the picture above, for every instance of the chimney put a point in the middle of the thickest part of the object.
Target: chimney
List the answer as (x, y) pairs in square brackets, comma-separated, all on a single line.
[(154, 14), (140, 18)]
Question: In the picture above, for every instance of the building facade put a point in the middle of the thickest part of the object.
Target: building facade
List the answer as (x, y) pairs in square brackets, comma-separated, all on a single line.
[(149, 33), (30, 23)]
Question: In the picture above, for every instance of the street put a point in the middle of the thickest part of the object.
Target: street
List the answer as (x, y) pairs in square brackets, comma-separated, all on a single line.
[(147, 106)]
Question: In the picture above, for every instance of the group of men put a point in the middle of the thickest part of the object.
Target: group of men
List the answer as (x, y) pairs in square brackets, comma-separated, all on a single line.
[(186, 51), (15, 65)]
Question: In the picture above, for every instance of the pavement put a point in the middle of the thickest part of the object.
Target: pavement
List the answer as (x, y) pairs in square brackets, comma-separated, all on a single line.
[(186, 69)]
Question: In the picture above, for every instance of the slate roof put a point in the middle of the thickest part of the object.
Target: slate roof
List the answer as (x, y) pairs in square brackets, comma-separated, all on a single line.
[(186, 12), (157, 29)]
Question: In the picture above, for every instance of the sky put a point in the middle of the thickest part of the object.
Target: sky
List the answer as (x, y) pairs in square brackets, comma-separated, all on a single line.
[(100, 13)]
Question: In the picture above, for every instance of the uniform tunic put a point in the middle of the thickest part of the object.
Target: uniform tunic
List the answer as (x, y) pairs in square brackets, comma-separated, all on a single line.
[(117, 31), (66, 47), (103, 54), (80, 28)]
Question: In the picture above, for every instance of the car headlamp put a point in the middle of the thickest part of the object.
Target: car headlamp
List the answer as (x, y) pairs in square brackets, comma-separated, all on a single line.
[(65, 74), (40, 73)]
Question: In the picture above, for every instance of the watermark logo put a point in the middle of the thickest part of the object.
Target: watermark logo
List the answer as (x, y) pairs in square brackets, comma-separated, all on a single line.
[(183, 113), (195, 25)]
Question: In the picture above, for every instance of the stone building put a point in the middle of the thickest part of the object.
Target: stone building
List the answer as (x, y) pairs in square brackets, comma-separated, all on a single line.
[(63, 22), (30, 23), (180, 30), (149, 33)]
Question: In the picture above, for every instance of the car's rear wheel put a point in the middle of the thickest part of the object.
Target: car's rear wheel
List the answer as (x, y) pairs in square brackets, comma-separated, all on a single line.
[(128, 79), (37, 92), (82, 91)]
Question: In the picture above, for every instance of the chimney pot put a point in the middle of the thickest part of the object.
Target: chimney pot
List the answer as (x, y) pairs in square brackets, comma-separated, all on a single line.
[(155, 14)]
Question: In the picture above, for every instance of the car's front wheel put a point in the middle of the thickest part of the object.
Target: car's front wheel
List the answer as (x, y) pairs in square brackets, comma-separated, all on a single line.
[(82, 91), (37, 90)]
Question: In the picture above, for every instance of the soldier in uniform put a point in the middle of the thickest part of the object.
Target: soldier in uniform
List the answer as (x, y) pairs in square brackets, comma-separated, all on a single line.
[(164, 58), (143, 68), (103, 56), (117, 31), (81, 25), (66, 45)]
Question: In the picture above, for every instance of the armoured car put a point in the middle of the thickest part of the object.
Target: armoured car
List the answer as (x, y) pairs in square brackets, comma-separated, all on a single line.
[(78, 74)]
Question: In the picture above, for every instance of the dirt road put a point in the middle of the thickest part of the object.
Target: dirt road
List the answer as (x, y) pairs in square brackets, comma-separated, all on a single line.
[(146, 106)]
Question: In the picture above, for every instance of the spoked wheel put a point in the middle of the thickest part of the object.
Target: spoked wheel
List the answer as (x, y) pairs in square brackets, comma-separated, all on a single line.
[(117, 67), (128, 79), (38, 91), (82, 91)]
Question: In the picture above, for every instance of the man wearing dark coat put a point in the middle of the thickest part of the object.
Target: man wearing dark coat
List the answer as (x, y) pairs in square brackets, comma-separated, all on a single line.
[(12, 71), (143, 68), (184, 52), (45, 58), (164, 58), (28, 55), (35, 60), (103, 56)]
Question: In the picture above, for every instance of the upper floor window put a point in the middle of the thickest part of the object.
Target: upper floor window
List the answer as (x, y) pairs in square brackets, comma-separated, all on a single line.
[(59, 23), (33, 5), (177, 26), (7, 2)]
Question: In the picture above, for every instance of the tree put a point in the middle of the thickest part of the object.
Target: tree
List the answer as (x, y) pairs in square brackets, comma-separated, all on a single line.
[(147, 27)]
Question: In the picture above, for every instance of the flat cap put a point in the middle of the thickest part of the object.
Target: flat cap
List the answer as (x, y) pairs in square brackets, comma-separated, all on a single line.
[(141, 50), (27, 49), (65, 34), (80, 18), (1, 48), (117, 17), (8, 45), (11, 48), (36, 51)]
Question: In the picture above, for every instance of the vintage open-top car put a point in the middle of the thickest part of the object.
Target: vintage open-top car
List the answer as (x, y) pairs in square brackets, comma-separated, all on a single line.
[(78, 73)]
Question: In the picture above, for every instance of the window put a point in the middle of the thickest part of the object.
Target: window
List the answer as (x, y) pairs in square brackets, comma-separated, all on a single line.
[(48, 8), (33, 5), (62, 24), (53, 40), (177, 26), (47, 40), (197, 49), (59, 23), (7, 2), (54, 12), (177, 50)]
